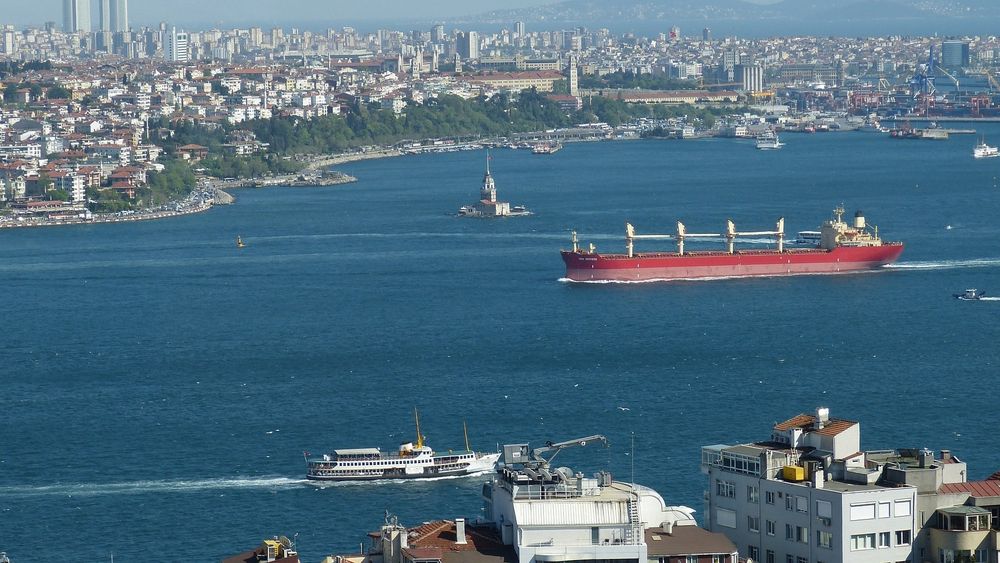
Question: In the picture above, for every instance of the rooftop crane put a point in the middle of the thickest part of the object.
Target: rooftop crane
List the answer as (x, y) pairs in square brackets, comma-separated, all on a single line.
[(541, 462)]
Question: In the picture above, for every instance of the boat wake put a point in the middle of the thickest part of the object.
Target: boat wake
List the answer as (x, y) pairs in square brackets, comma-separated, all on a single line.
[(945, 264), (143, 487), (988, 299)]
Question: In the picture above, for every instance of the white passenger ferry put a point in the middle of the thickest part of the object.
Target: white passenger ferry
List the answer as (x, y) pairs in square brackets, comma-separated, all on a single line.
[(411, 461)]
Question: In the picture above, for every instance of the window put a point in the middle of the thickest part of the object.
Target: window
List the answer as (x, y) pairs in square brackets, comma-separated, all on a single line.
[(789, 502), (769, 497), (824, 509), (862, 541), (753, 524), (754, 552), (789, 559), (802, 534), (753, 494), (902, 537), (789, 532), (864, 511), (725, 518), (801, 560), (725, 489), (770, 527), (903, 507), (824, 539), (885, 539), (883, 510), (692, 559), (770, 556), (802, 504)]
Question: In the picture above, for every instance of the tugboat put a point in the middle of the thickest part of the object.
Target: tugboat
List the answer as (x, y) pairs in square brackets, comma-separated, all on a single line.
[(970, 294), (410, 462)]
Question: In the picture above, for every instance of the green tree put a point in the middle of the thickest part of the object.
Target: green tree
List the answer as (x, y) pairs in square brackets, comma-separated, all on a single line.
[(58, 93)]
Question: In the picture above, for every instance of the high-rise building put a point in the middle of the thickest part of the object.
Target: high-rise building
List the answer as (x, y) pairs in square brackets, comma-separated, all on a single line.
[(119, 15), (574, 78), (437, 33), (175, 46), (519, 29), (955, 54), (706, 35), (468, 45), (9, 43), (752, 77), (104, 13), (76, 16)]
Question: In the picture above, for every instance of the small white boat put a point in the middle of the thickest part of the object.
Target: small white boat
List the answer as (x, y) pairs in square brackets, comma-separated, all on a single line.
[(970, 295), (983, 150)]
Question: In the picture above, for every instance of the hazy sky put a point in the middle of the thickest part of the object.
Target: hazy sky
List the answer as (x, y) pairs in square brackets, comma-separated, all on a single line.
[(319, 12)]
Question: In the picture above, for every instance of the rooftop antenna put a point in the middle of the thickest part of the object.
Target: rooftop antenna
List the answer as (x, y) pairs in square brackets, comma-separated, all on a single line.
[(632, 458)]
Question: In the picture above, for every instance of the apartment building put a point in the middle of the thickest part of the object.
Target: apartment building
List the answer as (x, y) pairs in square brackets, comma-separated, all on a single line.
[(808, 494)]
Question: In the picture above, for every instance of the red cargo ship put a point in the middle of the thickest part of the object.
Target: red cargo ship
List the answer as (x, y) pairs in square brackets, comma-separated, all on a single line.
[(842, 248)]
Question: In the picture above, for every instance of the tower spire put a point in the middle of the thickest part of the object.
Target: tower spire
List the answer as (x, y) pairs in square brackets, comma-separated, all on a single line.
[(487, 162)]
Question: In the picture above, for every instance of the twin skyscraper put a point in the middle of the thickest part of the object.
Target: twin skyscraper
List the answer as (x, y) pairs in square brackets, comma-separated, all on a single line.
[(113, 15)]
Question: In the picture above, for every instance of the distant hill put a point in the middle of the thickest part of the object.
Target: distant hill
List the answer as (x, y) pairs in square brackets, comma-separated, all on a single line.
[(617, 11)]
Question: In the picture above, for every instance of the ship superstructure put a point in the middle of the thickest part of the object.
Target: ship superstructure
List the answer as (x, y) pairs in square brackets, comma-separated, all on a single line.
[(411, 461), (842, 248)]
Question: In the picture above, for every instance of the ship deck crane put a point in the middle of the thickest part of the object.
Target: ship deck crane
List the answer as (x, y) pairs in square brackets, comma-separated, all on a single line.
[(730, 236), (542, 462)]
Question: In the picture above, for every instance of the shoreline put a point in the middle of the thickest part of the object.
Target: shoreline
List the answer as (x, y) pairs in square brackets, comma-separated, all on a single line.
[(196, 205)]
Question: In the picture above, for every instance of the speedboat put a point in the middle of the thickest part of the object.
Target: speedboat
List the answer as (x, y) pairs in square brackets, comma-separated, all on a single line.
[(970, 295)]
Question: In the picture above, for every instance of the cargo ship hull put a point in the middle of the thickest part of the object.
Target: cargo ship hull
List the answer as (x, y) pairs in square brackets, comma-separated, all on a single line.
[(584, 266)]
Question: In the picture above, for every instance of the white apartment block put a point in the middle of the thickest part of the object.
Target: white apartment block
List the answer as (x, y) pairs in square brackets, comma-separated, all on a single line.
[(555, 515), (808, 494)]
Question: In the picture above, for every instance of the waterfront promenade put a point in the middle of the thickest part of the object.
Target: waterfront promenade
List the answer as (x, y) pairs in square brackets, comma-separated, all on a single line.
[(198, 201)]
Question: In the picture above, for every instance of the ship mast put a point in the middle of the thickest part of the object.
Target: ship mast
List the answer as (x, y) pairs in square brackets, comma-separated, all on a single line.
[(465, 429), (420, 437)]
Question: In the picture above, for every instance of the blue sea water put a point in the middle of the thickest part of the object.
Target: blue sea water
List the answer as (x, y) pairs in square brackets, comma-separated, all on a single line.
[(160, 385)]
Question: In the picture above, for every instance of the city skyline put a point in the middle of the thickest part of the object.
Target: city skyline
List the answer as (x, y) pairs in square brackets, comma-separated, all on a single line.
[(230, 12)]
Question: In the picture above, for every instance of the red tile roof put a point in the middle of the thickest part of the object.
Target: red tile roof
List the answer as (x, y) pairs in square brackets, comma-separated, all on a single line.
[(988, 488), (805, 421)]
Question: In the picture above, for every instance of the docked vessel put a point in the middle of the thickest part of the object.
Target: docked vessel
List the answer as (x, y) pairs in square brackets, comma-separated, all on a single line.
[(546, 148), (841, 248), (411, 461), (488, 204), (982, 150), (970, 295)]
